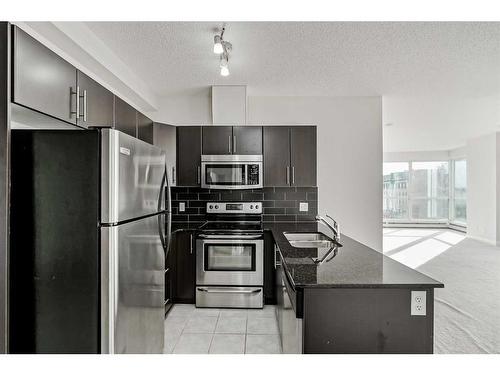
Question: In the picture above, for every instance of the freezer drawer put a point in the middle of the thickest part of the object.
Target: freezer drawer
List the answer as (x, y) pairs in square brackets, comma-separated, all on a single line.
[(132, 287), (132, 177), (242, 297)]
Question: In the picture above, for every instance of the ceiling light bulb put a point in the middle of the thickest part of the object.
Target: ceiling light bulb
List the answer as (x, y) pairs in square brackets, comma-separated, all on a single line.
[(218, 49), (224, 71)]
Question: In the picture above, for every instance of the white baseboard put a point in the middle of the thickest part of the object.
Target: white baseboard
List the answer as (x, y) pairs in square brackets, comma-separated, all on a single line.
[(486, 240), (458, 228)]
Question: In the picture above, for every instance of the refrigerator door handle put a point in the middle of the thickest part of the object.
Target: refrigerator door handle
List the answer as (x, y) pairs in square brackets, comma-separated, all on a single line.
[(161, 225), (162, 189), (160, 198)]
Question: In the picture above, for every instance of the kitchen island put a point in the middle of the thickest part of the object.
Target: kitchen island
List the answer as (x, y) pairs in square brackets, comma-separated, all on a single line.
[(357, 301)]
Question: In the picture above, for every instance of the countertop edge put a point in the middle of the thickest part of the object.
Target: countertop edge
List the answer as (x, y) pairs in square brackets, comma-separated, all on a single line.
[(437, 284)]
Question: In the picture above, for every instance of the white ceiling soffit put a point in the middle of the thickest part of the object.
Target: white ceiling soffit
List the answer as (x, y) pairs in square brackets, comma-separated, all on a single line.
[(82, 48), (313, 58)]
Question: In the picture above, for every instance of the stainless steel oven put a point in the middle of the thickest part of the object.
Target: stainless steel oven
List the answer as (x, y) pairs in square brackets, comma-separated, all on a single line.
[(230, 256), (229, 261), (231, 171)]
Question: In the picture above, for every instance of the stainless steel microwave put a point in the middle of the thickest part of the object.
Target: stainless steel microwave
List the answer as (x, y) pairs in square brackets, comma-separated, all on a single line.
[(231, 171)]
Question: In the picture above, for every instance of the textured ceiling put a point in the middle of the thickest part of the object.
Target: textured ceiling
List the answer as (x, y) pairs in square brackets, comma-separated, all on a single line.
[(296, 58)]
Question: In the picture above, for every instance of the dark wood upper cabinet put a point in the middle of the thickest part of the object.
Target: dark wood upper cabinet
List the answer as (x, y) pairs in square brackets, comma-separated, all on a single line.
[(276, 156), (217, 140), (188, 155), (247, 140), (290, 156), (144, 128), (125, 117), (164, 136), (43, 81), (96, 103), (303, 155)]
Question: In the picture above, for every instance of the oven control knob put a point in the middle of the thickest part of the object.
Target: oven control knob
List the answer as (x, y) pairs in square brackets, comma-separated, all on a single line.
[(256, 206), (251, 206), (216, 207), (211, 206)]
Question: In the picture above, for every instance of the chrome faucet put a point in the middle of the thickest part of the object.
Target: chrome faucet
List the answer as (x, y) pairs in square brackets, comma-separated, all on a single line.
[(334, 228)]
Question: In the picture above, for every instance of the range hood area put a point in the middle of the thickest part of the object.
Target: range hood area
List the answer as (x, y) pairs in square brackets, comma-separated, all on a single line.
[(229, 105)]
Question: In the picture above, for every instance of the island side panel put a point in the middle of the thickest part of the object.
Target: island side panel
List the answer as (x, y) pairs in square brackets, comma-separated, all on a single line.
[(366, 320)]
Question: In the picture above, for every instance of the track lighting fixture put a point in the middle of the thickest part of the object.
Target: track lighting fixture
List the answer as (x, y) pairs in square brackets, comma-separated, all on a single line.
[(218, 49), (224, 65), (222, 48)]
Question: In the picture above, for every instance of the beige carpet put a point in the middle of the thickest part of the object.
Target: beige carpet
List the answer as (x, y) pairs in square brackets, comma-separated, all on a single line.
[(467, 310)]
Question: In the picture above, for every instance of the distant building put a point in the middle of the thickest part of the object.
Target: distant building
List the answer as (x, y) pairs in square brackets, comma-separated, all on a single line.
[(395, 193)]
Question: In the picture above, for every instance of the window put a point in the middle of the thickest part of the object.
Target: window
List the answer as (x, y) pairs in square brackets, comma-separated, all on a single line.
[(430, 191), (396, 190), (459, 192)]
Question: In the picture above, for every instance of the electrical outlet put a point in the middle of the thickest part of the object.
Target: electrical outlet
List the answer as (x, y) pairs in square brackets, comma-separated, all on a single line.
[(182, 206), (303, 206), (418, 302)]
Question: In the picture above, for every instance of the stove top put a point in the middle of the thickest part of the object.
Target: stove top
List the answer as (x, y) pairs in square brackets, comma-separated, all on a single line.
[(233, 217)]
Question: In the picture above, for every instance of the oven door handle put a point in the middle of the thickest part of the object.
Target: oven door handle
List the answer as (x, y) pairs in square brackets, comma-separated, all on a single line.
[(229, 236), (234, 291)]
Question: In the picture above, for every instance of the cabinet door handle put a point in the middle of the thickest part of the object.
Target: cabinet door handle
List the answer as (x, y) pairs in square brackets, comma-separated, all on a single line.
[(191, 242), (173, 175), (234, 144), (293, 175), (288, 175), (229, 143), (84, 105), (276, 263), (77, 98), (199, 174)]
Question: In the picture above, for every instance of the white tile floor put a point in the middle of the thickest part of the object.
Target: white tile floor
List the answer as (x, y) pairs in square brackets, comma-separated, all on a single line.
[(189, 330)]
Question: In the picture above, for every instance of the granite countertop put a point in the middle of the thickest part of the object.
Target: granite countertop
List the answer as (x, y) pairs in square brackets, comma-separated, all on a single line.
[(354, 266)]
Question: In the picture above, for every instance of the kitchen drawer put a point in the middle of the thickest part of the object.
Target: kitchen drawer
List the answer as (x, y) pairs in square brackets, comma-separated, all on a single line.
[(243, 297)]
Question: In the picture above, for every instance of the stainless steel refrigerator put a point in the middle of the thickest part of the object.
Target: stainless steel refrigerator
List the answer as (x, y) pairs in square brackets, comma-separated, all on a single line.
[(90, 231)]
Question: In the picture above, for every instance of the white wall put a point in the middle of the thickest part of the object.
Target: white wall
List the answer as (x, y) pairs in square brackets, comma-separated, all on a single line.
[(349, 155), (437, 155), (458, 153), (482, 174), (185, 109), (438, 122), (498, 187), (416, 156)]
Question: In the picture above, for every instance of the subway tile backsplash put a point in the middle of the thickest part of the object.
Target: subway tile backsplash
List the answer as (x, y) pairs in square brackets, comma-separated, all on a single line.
[(279, 203)]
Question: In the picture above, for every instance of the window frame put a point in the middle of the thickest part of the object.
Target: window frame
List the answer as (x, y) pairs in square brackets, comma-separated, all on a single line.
[(410, 196), (452, 219)]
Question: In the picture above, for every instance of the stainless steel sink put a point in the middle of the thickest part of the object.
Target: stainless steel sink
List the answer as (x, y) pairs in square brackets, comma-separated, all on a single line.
[(309, 239)]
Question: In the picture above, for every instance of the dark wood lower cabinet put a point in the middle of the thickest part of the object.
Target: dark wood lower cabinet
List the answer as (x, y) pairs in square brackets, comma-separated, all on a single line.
[(371, 320), (269, 270), (169, 279), (185, 267)]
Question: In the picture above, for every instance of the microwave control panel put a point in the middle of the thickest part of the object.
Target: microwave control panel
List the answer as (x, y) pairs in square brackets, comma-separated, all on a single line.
[(253, 174)]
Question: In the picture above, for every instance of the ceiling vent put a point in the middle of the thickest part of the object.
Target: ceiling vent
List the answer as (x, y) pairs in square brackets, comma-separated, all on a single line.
[(229, 105)]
